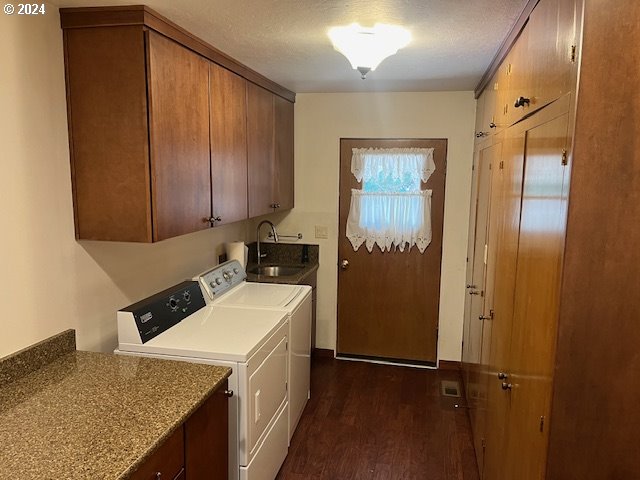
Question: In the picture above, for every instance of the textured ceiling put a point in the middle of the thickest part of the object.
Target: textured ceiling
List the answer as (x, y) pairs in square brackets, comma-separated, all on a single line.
[(286, 40)]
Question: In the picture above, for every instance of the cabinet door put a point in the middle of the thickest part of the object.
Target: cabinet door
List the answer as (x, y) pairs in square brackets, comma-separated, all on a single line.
[(520, 82), (552, 63), (537, 297), (284, 153), (260, 149), (107, 98), (504, 225), (167, 460), (206, 439), (228, 96), (178, 82), (476, 325)]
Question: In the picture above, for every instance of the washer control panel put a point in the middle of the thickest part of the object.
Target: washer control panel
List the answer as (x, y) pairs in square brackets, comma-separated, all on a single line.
[(163, 310), (222, 278)]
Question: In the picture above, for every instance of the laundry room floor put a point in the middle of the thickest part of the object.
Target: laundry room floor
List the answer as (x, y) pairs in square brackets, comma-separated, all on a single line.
[(380, 422)]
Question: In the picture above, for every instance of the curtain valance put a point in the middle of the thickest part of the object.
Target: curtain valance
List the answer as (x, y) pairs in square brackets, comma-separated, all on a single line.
[(369, 163)]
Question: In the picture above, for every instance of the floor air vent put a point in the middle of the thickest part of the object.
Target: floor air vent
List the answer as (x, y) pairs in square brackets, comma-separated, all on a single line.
[(450, 388)]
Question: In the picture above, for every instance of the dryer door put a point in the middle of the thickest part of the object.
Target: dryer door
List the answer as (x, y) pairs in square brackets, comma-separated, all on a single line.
[(267, 386)]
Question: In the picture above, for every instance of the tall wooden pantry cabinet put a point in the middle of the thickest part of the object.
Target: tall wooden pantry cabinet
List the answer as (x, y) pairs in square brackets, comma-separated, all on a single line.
[(552, 319)]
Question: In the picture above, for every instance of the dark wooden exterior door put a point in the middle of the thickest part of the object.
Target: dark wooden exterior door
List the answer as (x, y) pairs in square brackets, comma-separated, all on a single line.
[(178, 81), (388, 302)]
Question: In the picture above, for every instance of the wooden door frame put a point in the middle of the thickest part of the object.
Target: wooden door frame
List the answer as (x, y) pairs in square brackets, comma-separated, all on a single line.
[(404, 140)]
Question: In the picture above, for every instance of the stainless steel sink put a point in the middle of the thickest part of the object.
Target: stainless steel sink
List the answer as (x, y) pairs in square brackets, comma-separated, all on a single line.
[(276, 270)]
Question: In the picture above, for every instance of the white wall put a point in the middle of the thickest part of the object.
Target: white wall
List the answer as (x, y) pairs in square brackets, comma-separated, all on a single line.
[(321, 120), (49, 281)]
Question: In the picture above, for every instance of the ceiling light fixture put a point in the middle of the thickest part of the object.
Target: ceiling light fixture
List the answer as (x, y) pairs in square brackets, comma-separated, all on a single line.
[(366, 47)]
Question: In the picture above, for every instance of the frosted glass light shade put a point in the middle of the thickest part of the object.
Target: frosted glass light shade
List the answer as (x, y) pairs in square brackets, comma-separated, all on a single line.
[(365, 47)]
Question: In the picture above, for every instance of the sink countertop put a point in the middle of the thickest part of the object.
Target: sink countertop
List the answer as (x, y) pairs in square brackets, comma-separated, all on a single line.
[(87, 415), (284, 254), (295, 279)]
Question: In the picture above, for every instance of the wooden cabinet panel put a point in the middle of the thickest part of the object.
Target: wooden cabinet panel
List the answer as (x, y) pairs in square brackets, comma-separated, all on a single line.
[(505, 225), (108, 133), (537, 297), (519, 80), (179, 138), (552, 33), (487, 160), (206, 439), (167, 460), (228, 97), (284, 153), (260, 150)]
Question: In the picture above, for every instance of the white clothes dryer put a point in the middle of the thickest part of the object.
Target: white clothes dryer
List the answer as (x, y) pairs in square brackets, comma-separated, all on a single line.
[(293, 300)]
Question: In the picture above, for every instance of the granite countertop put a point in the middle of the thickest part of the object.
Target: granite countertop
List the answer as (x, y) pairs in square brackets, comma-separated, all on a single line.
[(92, 415)]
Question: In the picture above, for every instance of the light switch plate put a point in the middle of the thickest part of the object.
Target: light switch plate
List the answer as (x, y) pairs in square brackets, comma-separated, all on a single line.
[(322, 231)]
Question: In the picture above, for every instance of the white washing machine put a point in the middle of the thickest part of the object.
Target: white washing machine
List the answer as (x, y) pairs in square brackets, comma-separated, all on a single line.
[(293, 300), (177, 324)]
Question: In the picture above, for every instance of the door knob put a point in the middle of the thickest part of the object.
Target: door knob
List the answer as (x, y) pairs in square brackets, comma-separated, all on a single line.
[(344, 264), (506, 386)]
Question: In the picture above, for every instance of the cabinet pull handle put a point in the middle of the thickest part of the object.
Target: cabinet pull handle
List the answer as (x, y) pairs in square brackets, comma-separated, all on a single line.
[(217, 219), (158, 475), (506, 386), (492, 125), (275, 205), (228, 393), (521, 102)]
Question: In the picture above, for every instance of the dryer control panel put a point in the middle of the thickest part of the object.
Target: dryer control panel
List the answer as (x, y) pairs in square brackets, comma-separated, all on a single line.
[(221, 279), (160, 312)]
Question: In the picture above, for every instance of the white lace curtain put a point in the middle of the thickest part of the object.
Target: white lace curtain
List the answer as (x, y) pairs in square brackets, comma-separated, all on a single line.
[(391, 210)]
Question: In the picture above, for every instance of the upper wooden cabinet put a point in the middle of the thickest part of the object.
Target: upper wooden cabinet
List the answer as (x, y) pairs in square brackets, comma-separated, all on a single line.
[(540, 66), (270, 150), (283, 188), (178, 90), (260, 148), (228, 96), (162, 127)]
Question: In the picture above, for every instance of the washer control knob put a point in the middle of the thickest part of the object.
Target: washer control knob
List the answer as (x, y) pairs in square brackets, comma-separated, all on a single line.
[(235, 270), (186, 296), (218, 281)]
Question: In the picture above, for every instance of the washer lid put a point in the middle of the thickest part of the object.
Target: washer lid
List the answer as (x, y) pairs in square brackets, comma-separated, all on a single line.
[(217, 333), (263, 295)]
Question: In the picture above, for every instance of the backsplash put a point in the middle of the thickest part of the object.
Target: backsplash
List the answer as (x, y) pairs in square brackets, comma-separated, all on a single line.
[(284, 253)]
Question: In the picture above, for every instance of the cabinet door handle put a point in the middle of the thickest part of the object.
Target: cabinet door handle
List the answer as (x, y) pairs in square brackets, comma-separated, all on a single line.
[(158, 475), (506, 386), (228, 393), (521, 102), (492, 125), (217, 219)]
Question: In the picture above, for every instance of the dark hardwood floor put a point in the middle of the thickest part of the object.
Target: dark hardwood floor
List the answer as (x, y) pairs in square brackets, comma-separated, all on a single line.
[(380, 422)]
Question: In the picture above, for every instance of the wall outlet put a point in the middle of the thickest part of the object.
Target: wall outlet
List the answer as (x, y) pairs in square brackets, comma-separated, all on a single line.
[(322, 231)]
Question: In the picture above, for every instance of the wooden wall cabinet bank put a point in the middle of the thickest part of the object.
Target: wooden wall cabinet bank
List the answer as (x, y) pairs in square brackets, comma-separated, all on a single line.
[(552, 373), (162, 129), (197, 450)]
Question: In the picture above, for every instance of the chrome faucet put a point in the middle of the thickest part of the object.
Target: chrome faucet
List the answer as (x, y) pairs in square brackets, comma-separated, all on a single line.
[(275, 237)]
